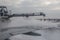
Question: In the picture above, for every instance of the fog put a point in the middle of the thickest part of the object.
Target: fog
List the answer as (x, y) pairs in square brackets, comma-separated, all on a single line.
[(49, 7)]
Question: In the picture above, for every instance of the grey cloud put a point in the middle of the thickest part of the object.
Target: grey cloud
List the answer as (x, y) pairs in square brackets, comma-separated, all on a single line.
[(27, 6)]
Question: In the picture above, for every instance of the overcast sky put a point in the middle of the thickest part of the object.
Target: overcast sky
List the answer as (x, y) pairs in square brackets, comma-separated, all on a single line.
[(49, 7)]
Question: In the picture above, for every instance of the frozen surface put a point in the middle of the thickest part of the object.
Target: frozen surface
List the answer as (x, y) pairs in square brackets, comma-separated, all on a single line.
[(19, 21), (45, 35), (32, 24)]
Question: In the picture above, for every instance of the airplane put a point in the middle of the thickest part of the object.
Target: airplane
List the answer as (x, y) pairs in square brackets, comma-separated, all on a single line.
[(15, 25)]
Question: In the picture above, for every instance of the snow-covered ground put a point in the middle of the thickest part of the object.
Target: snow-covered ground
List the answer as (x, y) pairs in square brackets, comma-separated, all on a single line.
[(46, 34)]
